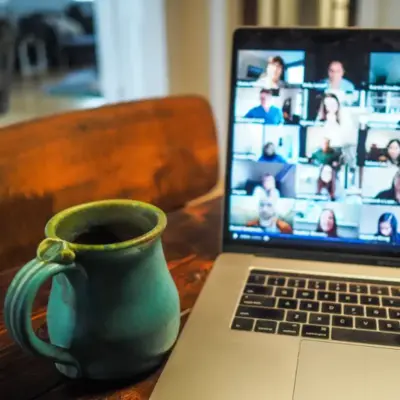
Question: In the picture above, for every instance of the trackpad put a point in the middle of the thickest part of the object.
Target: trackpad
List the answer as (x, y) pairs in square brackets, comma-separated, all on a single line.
[(333, 371)]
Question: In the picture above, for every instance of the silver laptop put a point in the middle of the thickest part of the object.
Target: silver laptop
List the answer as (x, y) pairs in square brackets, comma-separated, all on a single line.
[(304, 301)]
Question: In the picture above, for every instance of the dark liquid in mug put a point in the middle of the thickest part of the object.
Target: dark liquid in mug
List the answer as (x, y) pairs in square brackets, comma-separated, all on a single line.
[(109, 233)]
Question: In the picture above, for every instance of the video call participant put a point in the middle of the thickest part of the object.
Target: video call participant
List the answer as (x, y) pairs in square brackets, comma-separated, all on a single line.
[(393, 193), (266, 110), (326, 155), (267, 190), (329, 111), (392, 152), (387, 227), (269, 154), (336, 80), (327, 183), (268, 219), (272, 78), (327, 223)]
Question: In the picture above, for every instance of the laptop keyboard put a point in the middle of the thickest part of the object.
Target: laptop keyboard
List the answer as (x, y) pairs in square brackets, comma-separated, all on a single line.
[(348, 310)]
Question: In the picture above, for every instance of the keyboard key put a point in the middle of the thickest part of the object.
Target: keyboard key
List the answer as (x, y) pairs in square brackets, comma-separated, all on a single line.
[(252, 300), (376, 312), (391, 302), (354, 310), (389, 326), (260, 290), (337, 287), (379, 290), (339, 320), (287, 303), (317, 285), (309, 305), (358, 288), (305, 294), (260, 313), (296, 316), (315, 331), (297, 283), (319, 319), (370, 337), (276, 281), (289, 328), (331, 308), (394, 314), (327, 296), (366, 323), (370, 300), (395, 291), (284, 292), (348, 298), (256, 279), (265, 326), (243, 324)]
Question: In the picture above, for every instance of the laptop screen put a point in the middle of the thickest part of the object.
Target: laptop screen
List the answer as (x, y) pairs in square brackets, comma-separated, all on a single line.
[(314, 148)]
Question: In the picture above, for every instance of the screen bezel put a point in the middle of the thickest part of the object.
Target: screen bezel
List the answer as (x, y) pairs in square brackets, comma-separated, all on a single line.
[(263, 39)]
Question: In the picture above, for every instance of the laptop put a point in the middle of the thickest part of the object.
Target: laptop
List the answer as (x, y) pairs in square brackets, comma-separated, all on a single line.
[(304, 301)]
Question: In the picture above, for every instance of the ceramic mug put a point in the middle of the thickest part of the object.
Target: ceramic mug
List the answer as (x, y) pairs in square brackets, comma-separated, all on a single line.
[(113, 310)]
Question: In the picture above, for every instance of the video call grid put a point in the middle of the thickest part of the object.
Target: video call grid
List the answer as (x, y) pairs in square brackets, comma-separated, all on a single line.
[(353, 123)]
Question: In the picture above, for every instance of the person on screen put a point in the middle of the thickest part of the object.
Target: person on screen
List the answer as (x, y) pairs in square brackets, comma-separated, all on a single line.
[(326, 155), (267, 190), (326, 183), (336, 80), (329, 111), (392, 153), (272, 78), (387, 227), (266, 110), (327, 223), (269, 154), (393, 193), (268, 219)]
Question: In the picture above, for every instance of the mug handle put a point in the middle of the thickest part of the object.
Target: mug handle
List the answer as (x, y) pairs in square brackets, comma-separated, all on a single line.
[(53, 257)]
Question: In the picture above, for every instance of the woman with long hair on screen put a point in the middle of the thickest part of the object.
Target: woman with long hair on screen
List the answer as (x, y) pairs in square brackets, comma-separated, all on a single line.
[(327, 223), (273, 77), (326, 183), (392, 152), (329, 110), (387, 227)]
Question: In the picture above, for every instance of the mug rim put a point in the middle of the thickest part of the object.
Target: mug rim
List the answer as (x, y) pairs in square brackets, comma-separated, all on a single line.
[(53, 223)]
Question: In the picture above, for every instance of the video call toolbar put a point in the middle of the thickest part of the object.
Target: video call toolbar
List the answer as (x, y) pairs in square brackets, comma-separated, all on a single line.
[(316, 147)]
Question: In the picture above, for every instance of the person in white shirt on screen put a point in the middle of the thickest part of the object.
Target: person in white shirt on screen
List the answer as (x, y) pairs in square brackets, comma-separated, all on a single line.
[(328, 184), (267, 189), (272, 78), (340, 131), (336, 80), (329, 111)]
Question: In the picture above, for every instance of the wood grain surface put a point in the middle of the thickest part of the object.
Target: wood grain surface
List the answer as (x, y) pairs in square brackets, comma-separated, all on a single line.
[(191, 243)]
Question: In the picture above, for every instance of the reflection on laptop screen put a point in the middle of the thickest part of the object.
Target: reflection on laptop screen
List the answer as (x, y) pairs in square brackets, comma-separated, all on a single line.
[(316, 146)]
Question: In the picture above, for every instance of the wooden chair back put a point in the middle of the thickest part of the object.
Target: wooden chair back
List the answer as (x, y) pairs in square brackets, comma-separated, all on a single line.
[(162, 151)]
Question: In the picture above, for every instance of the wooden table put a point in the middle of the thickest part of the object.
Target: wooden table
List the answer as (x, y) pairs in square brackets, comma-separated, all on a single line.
[(191, 243)]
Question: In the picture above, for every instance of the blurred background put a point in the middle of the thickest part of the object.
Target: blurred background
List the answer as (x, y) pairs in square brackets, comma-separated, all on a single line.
[(59, 55)]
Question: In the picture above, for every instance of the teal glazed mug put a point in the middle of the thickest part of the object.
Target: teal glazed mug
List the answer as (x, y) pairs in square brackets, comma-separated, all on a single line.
[(113, 310)]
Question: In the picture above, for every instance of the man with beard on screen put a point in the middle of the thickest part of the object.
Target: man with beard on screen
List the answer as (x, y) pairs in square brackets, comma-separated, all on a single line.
[(269, 220)]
